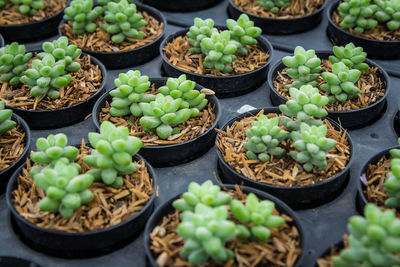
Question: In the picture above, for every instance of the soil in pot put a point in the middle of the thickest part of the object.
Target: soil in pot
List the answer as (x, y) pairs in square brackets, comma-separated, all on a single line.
[(11, 16), (284, 250), (12, 145), (284, 172)]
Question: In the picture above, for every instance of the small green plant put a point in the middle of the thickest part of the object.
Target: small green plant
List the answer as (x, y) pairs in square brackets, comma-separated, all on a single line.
[(340, 83), (312, 145), (357, 15), (353, 57), (374, 239), (273, 5), (112, 154), (207, 194), (27, 7), (304, 67), (13, 63), (6, 123), (82, 15), (392, 183), (264, 138), (244, 32), (105, 2), (123, 21), (200, 30), (389, 13)]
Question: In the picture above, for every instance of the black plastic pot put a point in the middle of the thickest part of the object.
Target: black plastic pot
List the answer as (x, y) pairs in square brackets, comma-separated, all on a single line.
[(134, 57), (6, 173), (79, 245), (351, 119), (278, 25), (224, 86), (181, 5), (48, 119), (375, 48), (297, 197), (6, 261), (174, 154), (33, 31), (166, 208)]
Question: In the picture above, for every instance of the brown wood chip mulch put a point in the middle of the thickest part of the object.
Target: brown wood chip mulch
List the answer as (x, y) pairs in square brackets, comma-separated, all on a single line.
[(11, 16), (297, 8), (100, 40), (326, 261), (177, 53), (380, 32), (370, 83), (279, 172), (109, 207), (84, 83), (12, 145), (282, 249)]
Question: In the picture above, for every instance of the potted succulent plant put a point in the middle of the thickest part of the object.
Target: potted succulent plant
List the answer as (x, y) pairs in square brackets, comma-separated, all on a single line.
[(53, 88), (118, 33), (72, 202), (213, 226), (371, 24), (174, 117), (295, 156), (357, 87), (181, 5), (29, 20), (280, 16), (15, 140), (230, 60)]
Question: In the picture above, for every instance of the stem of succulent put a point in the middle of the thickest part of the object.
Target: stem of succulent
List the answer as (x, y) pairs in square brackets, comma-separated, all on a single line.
[(350, 55), (13, 63), (273, 5), (358, 15), (200, 30), (6, 123), (82, 15), (388, 12)]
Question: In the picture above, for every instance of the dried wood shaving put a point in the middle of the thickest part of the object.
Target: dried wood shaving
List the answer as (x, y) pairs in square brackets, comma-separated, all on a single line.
[(12, 145)]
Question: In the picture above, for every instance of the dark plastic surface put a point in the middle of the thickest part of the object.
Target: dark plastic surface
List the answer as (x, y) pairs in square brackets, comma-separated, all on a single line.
[(223, 86), (16, 262), (5, 174), (134, 57), (180, 5), (166, 208), (1, 41), (80, 245), (48, 119), (297, 197), (351, 119), (327, 251), (171, 155)]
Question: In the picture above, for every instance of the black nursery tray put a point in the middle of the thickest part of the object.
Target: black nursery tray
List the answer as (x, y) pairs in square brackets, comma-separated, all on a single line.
[(323, 226)]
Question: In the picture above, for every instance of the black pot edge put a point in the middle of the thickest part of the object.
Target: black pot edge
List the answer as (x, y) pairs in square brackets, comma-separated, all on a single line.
[(211, 3), (396, 123), (283, 206)]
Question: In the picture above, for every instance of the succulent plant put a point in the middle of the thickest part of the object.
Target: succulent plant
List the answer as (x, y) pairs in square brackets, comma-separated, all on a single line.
[(264, 138), (304, 67), (340, 83), (257, 214), (200, 30), (65, 189), (312, 145), (105, 2), (374, 239), (306, 103), (82, 15), (130, 91), (388, 12), (392, 183), (207, 194), (27, 7), (6, 123), (112, 153), (123, 21), (53, 148), (357, 15), (244, 32), (353, 57), (273, 5), (219, 50), (3, 3), (13, 63)]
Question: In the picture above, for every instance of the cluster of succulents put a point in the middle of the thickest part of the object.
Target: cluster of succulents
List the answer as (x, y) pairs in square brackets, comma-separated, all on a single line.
[(350, 55), (392, 183), (82, 15), (273, 5), (200, 30), (206, 225), (6, 123), (13, 63), (389, 13), (27, 7)]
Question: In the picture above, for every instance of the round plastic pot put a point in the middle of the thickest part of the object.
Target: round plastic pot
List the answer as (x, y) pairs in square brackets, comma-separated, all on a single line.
[(173, 154), (133, 57), (181, 5), (32, 31), (223, 86), (166, 208), (280, 25), (350, 119), (56, 118), (79, 245), (16, 262), (6, 173), (375, 48), (297, 197)]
